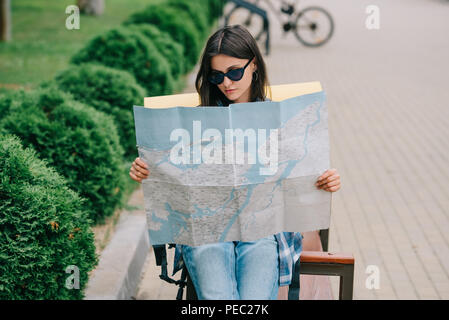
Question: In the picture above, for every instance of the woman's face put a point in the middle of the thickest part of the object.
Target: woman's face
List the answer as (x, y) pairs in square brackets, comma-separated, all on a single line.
[(239, 91)]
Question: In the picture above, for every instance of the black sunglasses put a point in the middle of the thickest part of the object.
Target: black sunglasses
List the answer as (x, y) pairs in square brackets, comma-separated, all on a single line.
[(217, 77)]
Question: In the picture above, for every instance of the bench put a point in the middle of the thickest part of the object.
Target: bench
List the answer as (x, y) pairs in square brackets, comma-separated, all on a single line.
[(315, 262)]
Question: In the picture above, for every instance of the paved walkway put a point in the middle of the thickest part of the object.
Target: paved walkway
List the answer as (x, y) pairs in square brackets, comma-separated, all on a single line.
[(389, 130)]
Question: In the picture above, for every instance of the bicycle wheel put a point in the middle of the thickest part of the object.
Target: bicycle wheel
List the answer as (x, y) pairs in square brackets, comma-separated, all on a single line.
[(251, 21), (314, 26)]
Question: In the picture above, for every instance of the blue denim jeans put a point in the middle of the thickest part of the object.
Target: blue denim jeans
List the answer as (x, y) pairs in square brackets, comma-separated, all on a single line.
[(234, 270)]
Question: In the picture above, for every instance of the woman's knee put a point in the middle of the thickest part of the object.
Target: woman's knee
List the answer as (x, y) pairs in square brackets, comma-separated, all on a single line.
[(257, 269)]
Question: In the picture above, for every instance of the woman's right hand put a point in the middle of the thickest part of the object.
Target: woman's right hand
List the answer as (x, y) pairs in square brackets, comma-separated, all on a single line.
[(139, 170)]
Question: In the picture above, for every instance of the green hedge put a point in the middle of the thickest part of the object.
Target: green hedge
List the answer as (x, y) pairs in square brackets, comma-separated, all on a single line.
[(80, 142), (196, 12), (215, 9), (109, 90), (172, 51), (43, 229), (176, 23), (126, 49), (6, 100)]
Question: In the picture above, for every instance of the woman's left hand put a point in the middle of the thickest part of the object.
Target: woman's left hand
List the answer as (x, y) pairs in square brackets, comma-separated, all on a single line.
[(329, 181)]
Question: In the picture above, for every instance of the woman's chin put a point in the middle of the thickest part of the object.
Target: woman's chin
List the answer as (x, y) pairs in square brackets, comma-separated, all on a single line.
[(232, 95)]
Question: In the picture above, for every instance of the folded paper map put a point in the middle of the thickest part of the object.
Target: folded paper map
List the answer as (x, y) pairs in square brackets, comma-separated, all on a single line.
[(237, 173)]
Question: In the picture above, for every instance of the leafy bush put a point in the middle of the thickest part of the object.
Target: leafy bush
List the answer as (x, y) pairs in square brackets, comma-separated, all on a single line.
[(177, 24), (43, 228), (6, 100), (126, 49), (215, 9), (109, 90), (196, 12), (172, 51), (79, 141)]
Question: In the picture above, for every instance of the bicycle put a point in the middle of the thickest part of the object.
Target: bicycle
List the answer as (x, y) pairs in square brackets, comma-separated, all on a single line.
[(313, 26)]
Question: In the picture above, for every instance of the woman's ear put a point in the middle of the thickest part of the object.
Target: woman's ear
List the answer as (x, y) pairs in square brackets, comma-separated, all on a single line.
[(254, 64)]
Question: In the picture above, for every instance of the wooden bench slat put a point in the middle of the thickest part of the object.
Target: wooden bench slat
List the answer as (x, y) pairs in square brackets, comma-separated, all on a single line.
[(326, 257)]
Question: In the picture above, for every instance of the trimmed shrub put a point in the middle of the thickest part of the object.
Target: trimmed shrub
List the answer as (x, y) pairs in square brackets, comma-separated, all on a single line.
[(80, 142), (197, 13), (177, 24), (109, 90), (43, 229), (6, 100), (172, 51), (216, 9), (129, 50)]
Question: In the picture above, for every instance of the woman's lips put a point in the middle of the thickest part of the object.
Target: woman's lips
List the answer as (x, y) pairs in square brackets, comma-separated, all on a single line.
[(230, 90)]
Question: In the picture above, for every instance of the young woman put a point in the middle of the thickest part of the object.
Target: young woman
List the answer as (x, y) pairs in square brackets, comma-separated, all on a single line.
[(233, 71)]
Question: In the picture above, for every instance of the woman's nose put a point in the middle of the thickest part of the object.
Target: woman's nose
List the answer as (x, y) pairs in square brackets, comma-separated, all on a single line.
[(227, 82)]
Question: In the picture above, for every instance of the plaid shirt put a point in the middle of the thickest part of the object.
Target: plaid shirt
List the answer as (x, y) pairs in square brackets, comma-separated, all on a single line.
[(289, 249)]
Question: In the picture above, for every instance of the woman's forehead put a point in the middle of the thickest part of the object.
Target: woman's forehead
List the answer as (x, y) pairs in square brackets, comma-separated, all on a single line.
[(222, 62)]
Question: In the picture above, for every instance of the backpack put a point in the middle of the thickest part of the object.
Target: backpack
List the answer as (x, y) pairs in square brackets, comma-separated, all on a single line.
[(161, 260)]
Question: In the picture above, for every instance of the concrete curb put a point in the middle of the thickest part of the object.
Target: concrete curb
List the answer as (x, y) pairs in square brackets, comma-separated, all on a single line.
[(117, 275)]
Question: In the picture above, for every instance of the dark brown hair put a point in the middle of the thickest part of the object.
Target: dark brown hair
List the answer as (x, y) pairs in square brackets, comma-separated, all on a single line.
[(237, 42)]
